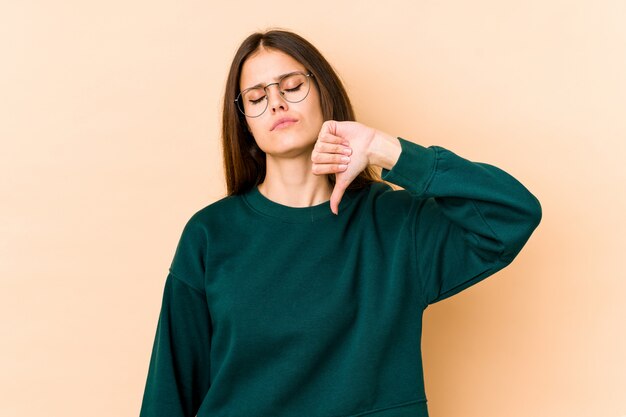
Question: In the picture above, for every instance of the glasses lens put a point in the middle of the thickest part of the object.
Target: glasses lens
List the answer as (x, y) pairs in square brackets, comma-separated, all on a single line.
[(252, 102), (294, 87)]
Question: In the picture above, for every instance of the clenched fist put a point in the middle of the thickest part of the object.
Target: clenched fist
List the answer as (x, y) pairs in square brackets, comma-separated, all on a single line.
[(346, 149)]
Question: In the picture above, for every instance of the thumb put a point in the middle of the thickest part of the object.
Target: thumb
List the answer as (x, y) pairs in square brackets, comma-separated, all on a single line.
[(336, 196)]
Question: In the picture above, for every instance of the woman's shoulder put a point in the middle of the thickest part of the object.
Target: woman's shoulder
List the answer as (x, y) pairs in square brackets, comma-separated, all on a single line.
[(217, 210)]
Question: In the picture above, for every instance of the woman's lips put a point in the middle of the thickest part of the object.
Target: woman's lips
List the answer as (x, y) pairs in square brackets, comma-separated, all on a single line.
[(282, 123)]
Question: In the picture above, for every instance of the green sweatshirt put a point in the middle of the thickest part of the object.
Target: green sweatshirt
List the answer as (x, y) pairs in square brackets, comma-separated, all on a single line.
[(276, 311)]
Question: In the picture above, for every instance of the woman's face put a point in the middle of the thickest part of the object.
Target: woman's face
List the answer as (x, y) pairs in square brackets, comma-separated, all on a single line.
[(285, 129)]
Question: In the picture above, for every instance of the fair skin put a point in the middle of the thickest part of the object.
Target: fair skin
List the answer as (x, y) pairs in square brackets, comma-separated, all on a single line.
[(303, 150)]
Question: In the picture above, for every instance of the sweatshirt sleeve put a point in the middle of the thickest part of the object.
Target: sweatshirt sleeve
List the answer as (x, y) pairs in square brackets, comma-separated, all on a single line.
[(179, 371), (467, 219)]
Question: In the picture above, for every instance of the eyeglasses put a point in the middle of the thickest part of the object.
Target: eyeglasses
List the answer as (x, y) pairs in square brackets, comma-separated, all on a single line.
[(293, 87)]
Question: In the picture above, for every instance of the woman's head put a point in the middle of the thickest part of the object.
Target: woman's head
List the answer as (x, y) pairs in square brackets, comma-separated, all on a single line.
[(272, 54), (281, 104)]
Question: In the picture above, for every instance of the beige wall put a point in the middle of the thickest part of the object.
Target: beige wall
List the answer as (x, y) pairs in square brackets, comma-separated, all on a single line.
[(109, 124)]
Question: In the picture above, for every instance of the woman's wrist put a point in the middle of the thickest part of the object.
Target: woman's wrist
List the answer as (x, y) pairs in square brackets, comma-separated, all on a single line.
[(384, 150)]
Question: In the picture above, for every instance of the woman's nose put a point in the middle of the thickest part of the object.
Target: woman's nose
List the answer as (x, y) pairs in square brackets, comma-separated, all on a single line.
[(275, 98)]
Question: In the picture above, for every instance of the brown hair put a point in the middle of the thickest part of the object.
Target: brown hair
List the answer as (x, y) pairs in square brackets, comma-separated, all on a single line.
[(244, 161)]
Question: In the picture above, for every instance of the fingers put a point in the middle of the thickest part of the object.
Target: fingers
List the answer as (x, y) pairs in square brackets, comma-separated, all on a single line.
[(329, 133), (328, 127), (320, 169), (327, 147), (330, 155)]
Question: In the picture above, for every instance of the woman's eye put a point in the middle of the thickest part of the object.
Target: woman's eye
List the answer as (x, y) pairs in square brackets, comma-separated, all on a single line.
[(292, 89), (257, 101)]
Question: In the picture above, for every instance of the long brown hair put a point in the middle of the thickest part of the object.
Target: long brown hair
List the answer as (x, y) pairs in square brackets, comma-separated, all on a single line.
[(244, 161)]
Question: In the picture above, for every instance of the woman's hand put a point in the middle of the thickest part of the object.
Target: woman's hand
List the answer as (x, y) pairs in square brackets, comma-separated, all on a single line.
[(362, 145)]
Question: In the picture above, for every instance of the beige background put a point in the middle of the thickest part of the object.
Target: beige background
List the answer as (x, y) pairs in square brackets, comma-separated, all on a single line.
[(109, 122)]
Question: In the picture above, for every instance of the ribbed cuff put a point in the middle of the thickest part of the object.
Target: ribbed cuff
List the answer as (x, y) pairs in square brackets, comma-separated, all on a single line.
[(414, 168)]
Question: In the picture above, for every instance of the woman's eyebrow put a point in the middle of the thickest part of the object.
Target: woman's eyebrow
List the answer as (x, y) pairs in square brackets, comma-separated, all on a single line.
[(276, 78)]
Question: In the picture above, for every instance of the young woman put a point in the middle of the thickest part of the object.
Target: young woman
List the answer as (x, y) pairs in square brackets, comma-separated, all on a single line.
[(301, 293)]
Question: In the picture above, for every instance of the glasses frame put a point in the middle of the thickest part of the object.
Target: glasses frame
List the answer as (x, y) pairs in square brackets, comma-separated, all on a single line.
[(239, 102)]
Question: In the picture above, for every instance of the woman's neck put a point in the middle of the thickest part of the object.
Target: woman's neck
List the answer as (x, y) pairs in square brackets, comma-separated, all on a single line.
[(291, 182)]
